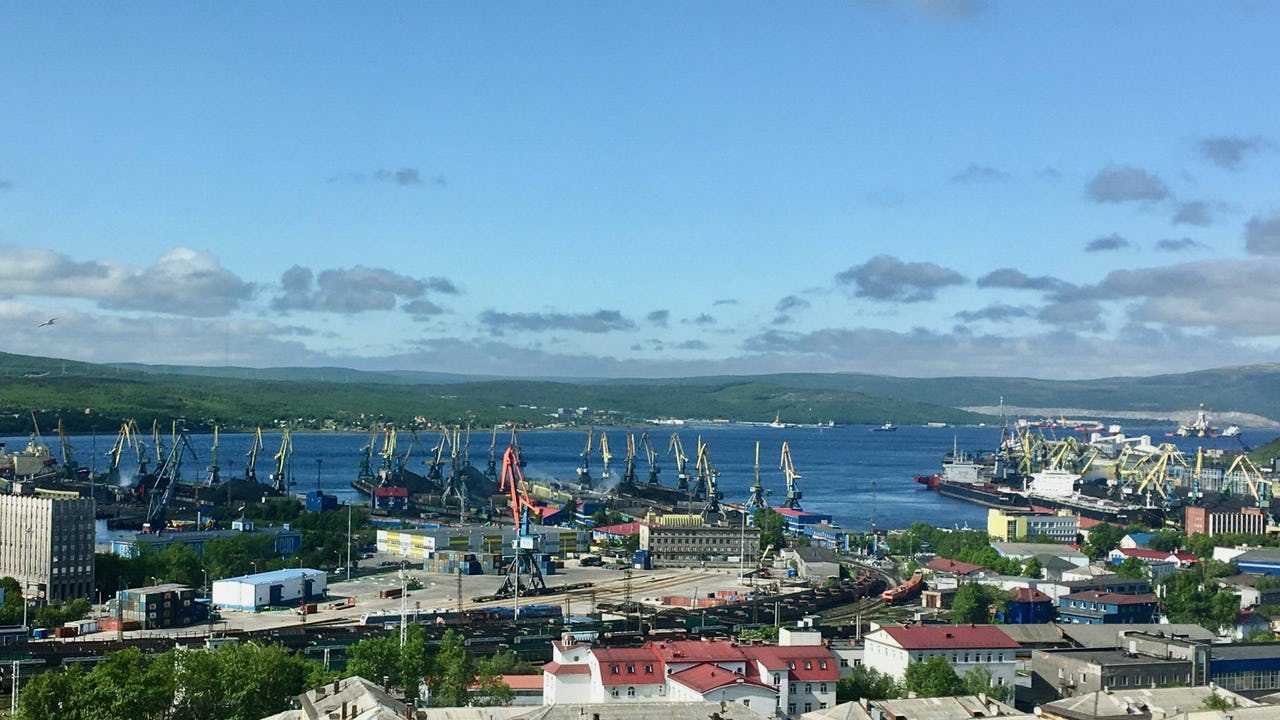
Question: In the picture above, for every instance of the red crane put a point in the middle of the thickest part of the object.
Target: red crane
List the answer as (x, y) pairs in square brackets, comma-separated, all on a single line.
[(515, 487), (523, 563)]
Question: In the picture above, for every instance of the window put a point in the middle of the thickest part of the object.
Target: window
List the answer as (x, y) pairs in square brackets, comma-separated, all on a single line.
[(822, 687), (631, 692), (746, 702), (808, 665), (791, 664), (777, 679), (791, 688), (808, 687), (822, 706), (791, 708), (648, 669), (631, 669), (808, 707), (613, 692), (614, 669), (822, 664)]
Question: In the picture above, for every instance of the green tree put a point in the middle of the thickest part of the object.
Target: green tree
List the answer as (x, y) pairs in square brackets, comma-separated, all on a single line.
[(1033, 568), (1193, 596), (375, 658), (768, 633), (933, 678), (414, 662), (180, 564), (1218, 702), (975, 602), (771, 525), (978, 680), (452, 673), (1103, 538), (1167, 540), (54, 694), (128, 684), (866, 682), (506, 662), (1133, 568)]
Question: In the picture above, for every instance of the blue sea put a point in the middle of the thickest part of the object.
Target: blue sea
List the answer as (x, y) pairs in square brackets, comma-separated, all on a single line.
[(858, 476)]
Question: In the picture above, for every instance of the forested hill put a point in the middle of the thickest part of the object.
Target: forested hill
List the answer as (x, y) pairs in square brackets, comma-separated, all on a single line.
[(86, 396)]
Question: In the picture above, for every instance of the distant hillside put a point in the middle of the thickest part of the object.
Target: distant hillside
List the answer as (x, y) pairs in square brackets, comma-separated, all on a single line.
[(87, 396), (306, 374)]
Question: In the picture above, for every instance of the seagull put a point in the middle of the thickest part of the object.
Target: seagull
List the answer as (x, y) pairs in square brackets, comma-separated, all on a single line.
[(47, 322)]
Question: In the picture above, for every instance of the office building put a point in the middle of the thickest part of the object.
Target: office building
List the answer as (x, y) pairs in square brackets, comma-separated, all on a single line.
[(46, 544)]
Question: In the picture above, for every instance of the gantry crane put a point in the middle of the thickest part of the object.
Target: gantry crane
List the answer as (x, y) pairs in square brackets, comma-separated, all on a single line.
[(126, 438), (793, 485), (682, 474), (756, 500), (168, 476), (1259, 486), (455, 486), (71, 470), (491, 469), (522, 508), (629, 468), (605, 457), (434, 468), (584, 470), (652, 456), (707, 475), (214, 477), (280, 479), (251, 467)]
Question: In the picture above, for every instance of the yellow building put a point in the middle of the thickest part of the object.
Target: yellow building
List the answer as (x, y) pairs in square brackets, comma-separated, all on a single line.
[(1013, 525)]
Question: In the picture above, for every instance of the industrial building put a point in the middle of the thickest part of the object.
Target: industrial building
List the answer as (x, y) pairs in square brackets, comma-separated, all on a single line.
[(1010, 525), (46, 544), (159, 606), (422, 543), (251, 593), (1201, 521), (284, 540), (687, 540)]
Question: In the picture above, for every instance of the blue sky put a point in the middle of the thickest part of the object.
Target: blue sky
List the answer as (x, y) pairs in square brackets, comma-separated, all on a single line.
[(958, 187)]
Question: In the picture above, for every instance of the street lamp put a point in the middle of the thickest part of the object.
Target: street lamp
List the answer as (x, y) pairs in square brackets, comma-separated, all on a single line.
[(254, 563), (204, 588)]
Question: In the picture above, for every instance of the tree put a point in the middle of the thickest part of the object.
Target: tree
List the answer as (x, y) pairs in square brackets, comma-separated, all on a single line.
[(934, 678), (1193, 596), (52, 695), (771, 524), (1133, 568), (452, 673), (414, 662), (1217, 702), (1033, 568), (768, 633), (973, 603), (1103, 538), (978, 680), (866, 682)]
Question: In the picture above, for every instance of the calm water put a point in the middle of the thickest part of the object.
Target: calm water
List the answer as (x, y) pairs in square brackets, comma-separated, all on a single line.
[(852, 473)]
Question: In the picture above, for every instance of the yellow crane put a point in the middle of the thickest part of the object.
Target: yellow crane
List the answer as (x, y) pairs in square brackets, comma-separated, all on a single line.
[(605, 457), (1259, 486), (793, 486), (280, 480), (682, 474)]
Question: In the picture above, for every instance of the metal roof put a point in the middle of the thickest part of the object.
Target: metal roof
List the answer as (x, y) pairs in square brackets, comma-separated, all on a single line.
[(274, 576)]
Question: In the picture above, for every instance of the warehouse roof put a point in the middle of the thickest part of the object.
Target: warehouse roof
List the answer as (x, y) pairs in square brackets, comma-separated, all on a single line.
[(275, 576)]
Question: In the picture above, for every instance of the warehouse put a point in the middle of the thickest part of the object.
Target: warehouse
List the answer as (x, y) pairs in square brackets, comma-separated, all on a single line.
[(251, 593)]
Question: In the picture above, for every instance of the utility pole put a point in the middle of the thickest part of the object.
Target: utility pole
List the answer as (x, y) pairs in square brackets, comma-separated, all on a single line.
[(348, 541)]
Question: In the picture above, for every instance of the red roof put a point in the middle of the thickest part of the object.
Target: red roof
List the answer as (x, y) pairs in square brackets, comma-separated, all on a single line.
[(804, 662), (1088, 522), (1146, 554), (707, 677), (793, 513), (1030, 595), (947, 637), (953, 566), (555, 668), (698, 651), (629, 666), (523, 682), (1110, 598), (626, 529)]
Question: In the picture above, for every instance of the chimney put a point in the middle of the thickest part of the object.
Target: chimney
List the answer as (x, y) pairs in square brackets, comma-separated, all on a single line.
[(344, 710), (336, 685)]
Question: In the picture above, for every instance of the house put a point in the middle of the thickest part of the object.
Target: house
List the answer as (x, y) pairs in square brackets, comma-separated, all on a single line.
[(1028, 607), (1248, 622), (1142, 703), (955, 568), (891, 648), (815, 564), (1182, 560), (1246, 586), (799, 674), (1136, 540), (353, 697), (1022, 552), (1092, 607)]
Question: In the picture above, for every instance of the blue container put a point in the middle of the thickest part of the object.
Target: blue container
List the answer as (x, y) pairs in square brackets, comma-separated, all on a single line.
[(791, 572), (40, 633)]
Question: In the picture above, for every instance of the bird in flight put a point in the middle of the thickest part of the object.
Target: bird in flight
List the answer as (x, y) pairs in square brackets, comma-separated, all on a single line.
[(47, 322)]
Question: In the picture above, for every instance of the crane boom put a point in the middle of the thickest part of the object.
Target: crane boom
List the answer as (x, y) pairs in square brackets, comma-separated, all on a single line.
[(793, 486), (652, 456)]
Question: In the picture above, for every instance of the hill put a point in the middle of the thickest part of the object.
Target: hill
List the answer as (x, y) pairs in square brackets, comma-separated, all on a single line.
[(88, 397)]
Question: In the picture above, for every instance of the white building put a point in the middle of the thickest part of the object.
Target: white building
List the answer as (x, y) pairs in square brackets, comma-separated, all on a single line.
[(890, 649), (797, 675), (46, 544), (251, 593)]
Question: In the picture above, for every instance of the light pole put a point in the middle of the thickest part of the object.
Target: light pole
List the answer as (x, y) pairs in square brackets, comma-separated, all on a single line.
[(254, 563), (204, 588), (348, 540)]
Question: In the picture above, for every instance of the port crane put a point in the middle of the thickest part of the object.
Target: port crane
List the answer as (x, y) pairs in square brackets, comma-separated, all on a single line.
[(652, 456), (584, 470), (756, 501), (168, 477), (126, 438), (522, 564), (707, 475), (1242, 468), (251, 467), (280, 478), (793, 485), (605, 457), (491, 469), (629, 468), (71, 470), (455, 486), (682, 474), (214, 477), (434, 472)]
